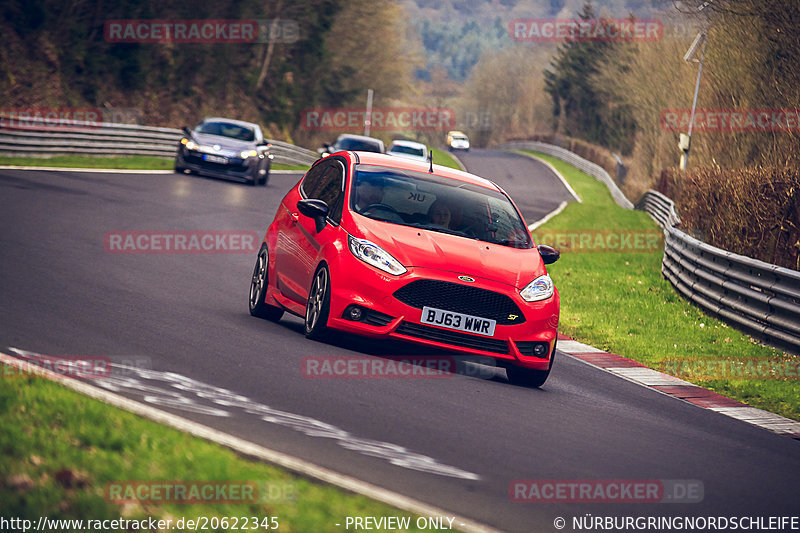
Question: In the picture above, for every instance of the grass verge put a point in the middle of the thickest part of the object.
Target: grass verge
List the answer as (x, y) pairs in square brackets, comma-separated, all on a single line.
[(59, 450), (620, 302), (441, 157), (127, 162)]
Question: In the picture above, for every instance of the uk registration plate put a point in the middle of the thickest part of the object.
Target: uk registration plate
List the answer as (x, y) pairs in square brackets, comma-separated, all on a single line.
[(458, 321), (215, 159)]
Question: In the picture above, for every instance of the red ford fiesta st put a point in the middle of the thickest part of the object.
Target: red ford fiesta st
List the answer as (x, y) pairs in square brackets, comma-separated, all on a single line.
[(388, 247)]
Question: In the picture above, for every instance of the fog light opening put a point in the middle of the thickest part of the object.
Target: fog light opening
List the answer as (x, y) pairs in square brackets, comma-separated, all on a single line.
[(355, 313), (540, 349)]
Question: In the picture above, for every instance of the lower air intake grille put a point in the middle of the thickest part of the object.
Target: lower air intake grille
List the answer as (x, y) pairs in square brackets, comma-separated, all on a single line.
[(454, 338)]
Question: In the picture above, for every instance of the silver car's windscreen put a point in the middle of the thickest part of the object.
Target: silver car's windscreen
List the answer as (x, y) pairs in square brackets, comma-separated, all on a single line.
[(226, 129)]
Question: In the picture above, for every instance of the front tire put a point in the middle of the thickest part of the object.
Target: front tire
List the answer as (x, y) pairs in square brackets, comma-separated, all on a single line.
[(265, 177), (258, 289), (179, 168), (528, 377), (318, 305)]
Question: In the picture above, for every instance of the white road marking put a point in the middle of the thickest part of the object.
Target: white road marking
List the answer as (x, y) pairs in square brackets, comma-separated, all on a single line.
[(254, 450), (180, 392)]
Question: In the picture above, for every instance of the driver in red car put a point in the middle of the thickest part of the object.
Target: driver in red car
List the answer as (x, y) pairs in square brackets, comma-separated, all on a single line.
[(368, 192)]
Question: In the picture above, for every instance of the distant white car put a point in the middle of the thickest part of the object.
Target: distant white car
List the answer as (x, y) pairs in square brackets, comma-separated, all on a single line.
[(457, 140), (409, 149)]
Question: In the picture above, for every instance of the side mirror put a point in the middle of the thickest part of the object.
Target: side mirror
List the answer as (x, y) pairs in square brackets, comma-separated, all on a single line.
[(316, 209), (549, 254), (187, 132)]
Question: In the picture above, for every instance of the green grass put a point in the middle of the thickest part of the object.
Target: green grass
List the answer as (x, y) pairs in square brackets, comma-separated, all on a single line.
[(620, 302), (88, 161), (49, 429), (126, 162), (441, 157)]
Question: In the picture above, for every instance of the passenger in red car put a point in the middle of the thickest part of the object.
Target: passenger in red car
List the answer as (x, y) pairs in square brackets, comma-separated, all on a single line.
[(440, 214)]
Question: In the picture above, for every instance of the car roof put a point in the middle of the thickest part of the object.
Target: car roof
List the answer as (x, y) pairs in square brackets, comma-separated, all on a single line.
[(232, 121), (383, 160), (410, 144), (358, 137)]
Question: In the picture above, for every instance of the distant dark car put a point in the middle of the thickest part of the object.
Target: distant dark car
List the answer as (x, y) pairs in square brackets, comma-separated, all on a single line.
[(225, 148), (353, 143)]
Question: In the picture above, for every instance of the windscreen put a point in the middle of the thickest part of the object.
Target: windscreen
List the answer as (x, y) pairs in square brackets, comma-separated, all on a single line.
[(356, 145), (226, 129), (402, 149), (437, 204)]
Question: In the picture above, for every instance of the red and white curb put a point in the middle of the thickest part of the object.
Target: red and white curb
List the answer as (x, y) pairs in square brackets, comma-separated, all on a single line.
[(678, 388)]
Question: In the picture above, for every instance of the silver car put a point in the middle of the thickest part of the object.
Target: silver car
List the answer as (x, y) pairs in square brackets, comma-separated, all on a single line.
[(225, 148)]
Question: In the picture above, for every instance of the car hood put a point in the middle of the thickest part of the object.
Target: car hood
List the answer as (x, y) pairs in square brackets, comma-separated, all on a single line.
[(415, 247), (226, 144)]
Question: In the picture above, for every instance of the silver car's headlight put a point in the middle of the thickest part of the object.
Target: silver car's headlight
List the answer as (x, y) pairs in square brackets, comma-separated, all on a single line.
[(539, 289), (248, 153), (372, 254), (189, 144)]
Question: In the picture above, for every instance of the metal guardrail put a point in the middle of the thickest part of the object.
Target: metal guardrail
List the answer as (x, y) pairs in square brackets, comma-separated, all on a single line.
[(586, 166), (42, 138), (757, 296)]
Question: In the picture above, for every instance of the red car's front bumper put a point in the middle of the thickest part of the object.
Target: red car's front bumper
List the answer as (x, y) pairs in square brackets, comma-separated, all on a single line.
[(384, 315)]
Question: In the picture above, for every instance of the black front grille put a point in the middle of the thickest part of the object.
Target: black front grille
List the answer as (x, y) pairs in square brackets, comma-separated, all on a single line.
[(460, 299), (454, 338), (374, 318)]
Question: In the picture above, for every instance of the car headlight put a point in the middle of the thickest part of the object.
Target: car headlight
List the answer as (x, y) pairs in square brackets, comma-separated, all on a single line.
[(189, 144), (248, 153), (372, 254), (539, 289)]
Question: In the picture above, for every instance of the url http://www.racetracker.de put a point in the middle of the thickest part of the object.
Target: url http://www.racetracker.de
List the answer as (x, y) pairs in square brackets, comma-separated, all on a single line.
[(588, 522), (45, 524)]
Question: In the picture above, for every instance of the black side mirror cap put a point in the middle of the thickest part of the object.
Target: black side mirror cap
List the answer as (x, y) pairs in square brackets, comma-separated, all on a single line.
[(549, 254), (316, 209)]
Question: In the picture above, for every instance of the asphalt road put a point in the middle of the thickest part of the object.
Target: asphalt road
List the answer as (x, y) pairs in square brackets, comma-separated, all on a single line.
[(528, 181), (457, 442)]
